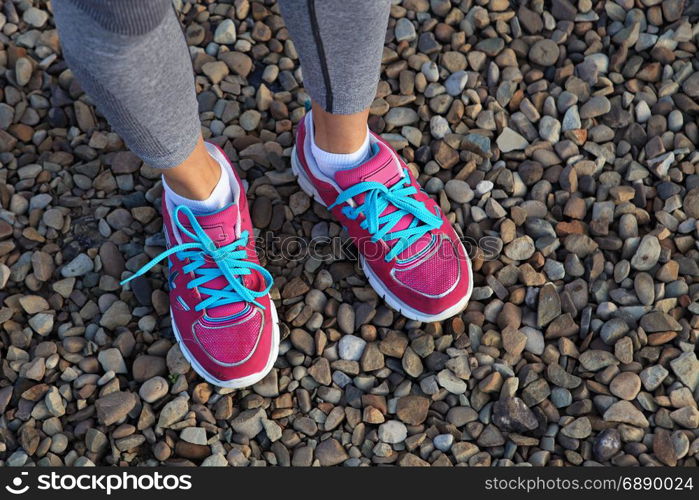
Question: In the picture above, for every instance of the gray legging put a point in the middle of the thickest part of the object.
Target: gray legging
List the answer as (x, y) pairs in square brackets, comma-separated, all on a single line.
[(131, 58)]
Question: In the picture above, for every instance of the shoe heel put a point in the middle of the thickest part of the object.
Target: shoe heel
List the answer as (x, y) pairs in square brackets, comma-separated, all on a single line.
[(303, 179)]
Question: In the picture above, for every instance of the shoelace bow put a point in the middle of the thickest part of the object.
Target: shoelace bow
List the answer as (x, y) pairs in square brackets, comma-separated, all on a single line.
[(377, 198), (229, 261)]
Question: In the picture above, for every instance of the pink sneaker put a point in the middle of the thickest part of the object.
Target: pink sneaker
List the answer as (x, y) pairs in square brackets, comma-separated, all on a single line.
[(409, 251), (222, 315)]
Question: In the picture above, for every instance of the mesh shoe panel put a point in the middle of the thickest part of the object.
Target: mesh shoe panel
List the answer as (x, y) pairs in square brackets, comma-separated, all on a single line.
[(436, 274), (230, 342)]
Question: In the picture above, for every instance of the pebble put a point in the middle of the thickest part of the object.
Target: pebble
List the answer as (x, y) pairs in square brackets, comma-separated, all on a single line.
[(626, 385), (686, 368), (114, 407), (613, 330), (535, 341), (23, 71), (393, 432), (544, 52), (173, 412), (607, 444), (225, 32), (580, 428), (250, 119), (79, 266), (509, 140), (350, 347), (443, 442), (194, 435), (625, 412), (594, 107), (520, 248), (459, 191), (439, 127), (249, 423), (117, 315), (346, 318), (153, 389), (405, 30), (42, 323), (112, 360), (653, 376), (399, 117), (456, 82), (512, 415), (549, 129), (330, 452), (647, 254), (412, 410), (35, 17), (645, 288), (450, 382)]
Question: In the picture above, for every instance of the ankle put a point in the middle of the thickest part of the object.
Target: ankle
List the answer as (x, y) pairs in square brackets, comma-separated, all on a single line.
[(200, 186), (340, 145), (330, 163), (197, 179), (339, 134), (199, 198)]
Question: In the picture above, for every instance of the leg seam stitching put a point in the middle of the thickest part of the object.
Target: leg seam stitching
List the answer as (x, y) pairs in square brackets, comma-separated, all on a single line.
[(321, 55)]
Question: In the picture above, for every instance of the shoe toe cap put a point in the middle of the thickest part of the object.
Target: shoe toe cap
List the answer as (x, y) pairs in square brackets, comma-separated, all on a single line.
[(229, 341), (434, 275)]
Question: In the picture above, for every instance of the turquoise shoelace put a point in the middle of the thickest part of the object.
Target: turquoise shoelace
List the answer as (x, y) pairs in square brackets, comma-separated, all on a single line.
[(377, 198), (229, 261)]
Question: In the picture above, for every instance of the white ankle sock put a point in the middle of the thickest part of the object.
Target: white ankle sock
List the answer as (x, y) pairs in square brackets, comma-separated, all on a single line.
[(221, 196), (329, 163)]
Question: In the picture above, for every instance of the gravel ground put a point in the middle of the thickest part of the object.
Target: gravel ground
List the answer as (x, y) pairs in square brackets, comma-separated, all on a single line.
[(560, 138)]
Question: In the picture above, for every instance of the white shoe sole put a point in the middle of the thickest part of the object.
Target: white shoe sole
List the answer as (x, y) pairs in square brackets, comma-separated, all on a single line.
[(238, 383), (374, 281)]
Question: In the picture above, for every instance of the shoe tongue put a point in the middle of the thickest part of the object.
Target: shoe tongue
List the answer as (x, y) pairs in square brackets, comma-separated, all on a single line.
[(382, 167), (220, 226), (385, 169)]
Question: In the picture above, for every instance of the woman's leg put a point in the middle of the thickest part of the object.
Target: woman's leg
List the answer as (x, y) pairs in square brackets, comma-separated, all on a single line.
[(131, 58), (410, 253), (340, 43)]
